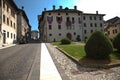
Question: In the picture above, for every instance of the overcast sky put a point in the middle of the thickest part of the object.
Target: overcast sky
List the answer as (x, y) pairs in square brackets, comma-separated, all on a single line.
[(35, 7)]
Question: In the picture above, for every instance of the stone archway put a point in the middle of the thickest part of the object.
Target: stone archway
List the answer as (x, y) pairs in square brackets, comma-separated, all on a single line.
[(69, 36)]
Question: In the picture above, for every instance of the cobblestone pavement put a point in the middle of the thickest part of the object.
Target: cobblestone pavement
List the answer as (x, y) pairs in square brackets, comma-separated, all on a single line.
[(16, 61), (77, 72)]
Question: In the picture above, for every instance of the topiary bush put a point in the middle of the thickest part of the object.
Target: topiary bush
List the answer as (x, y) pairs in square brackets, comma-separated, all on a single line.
[(116, 42), (65, 41), (98, 46)]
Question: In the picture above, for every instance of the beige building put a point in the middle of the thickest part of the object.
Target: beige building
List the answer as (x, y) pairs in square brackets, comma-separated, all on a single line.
[(8, 22), (57, 24), (34, 34), (112, 27), (24, 28)]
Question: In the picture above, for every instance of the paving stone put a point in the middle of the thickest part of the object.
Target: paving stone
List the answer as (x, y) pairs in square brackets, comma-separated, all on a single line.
[(77, 72)]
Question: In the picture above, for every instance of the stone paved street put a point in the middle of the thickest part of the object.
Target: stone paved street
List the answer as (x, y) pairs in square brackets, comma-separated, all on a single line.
[(77, 72), (16, 63)]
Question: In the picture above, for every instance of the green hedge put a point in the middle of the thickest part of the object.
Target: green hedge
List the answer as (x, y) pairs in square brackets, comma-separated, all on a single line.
[(65, 41), (98, 46), (116, 42)]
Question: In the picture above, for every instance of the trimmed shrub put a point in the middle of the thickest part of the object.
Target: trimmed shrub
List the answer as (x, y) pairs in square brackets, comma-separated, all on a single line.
[(116, 42), (65, 41), (98, 46)]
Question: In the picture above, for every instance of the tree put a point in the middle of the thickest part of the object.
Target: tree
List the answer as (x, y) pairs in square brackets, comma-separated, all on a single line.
[(116, 42), (98, 46)]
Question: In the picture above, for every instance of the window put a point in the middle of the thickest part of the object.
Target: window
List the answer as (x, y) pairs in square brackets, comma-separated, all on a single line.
[(66, 13), (11, 23), (59, 34), (79, 21), (14, 36), (7, 21), (14, 25), (4, 18), (85, 38), (72, 18), (49, 13), (3, 4), (91, 31), (94, 17), (50, 27), (90, 17), (50, 34), (11, 35), (85, 25), (68, 19), (84, 18), (113, 32), (91, 25), (12, 13), (85, 31), (58, 13), (8, 34), (95, 25), (59, 26), (7, 9), (74, 33), (100, 18), (101, 25)]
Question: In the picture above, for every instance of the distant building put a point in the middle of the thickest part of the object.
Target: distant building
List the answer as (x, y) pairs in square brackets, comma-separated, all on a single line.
[(57, 24), (8, 22), (112, 27), (34, 34), (24, 28)]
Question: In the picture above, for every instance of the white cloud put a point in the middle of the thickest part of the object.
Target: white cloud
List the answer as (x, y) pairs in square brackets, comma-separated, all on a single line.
[(109, 7)]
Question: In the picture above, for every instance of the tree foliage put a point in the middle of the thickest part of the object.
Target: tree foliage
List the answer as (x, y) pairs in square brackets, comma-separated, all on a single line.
[(98, 46)]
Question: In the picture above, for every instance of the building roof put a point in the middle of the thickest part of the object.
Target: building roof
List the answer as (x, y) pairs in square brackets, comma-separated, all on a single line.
[(65, 10), (113, 21), (12, 3), (68, 11)]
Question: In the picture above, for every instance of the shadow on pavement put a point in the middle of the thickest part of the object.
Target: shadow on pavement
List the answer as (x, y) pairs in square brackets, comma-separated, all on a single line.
[(34, 41)]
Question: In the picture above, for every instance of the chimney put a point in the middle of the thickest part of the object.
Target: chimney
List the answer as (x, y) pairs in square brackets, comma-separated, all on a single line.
[(22, 7), (75, 7), (53, 7), (96, 12), (60, 7), (44, 9)]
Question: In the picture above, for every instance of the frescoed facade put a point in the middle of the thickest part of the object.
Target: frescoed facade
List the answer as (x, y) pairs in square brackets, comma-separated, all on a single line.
[(57, 24)]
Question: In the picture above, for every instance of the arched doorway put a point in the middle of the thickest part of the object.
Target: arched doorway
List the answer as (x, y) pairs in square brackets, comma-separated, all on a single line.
[(69, 36)]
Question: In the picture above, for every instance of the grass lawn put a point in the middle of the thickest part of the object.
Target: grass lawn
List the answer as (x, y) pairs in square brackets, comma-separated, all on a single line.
[(72, 49), (77, 51)]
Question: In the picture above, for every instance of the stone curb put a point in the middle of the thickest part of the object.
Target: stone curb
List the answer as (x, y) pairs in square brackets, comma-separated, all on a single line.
[(104, 66), (6, 46)]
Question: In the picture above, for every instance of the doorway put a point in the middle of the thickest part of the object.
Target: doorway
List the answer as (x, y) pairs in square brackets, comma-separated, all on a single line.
[(4, 37), (69, 36)]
